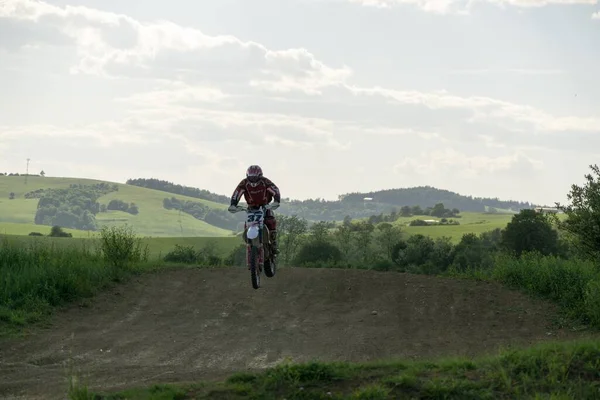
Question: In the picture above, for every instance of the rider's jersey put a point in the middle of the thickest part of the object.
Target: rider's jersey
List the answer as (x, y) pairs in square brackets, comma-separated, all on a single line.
[(258, 195)]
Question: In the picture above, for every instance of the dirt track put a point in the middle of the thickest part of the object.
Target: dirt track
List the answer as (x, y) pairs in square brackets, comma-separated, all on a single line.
[(202, 324)]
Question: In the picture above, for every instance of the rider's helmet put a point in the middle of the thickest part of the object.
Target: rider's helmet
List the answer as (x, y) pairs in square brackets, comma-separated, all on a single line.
[(253, 174)]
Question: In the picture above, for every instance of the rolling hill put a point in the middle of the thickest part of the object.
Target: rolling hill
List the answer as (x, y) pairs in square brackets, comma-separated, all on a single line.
[(153, 219), (353, 204)]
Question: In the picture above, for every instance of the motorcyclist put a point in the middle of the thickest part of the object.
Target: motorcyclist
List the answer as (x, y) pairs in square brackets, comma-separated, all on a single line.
[(259, 191)]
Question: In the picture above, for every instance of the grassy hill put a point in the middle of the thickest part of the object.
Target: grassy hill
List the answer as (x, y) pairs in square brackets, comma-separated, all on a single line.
[(17, 215), (427, 196), (470, 222)]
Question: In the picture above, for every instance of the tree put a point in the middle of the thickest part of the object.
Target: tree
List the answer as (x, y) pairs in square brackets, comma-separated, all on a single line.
[(290, 229), (405, 211), (530, 231), (42, 173), (388, 237), (363, 238), (417, 210), (133, 209), (438, 210), (11, 196), (318, 231), (583, 214)]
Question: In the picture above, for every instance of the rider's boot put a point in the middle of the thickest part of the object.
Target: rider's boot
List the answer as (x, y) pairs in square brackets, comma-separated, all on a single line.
[(274, 246)]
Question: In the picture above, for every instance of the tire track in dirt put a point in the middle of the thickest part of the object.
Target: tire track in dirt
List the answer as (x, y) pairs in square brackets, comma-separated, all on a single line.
[(194, 324)]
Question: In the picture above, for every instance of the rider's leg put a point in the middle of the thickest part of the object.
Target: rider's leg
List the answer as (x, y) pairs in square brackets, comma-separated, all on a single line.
[(271, 223)]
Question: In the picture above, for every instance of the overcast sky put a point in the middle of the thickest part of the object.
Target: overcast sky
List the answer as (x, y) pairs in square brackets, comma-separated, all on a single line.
[(489, 98)]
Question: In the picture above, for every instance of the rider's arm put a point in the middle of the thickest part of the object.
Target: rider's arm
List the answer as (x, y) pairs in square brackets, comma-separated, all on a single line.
[(274, 190), (237, 193)]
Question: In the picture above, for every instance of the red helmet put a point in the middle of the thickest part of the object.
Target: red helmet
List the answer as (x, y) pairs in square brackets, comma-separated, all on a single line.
[(254, 173)]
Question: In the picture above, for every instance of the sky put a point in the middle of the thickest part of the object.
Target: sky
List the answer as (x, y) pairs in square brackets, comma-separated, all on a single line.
[(494, 98)]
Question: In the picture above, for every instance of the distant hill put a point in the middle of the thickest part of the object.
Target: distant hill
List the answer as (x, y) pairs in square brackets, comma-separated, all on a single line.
[(353, 204), (427, 196), (87, 205)]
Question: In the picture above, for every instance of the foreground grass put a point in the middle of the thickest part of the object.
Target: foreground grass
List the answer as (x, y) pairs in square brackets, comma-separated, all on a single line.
[(36, 279), (549, 371), (572, 284)]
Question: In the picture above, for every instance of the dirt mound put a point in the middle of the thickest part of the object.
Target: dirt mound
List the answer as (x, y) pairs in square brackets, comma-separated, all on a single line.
[(191, 324)]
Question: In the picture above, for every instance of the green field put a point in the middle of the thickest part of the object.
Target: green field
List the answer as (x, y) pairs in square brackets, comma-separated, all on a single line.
[(157, 246), (153, 219), (469, 223)]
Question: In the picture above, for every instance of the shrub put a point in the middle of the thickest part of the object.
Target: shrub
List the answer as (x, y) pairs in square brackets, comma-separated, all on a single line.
[(57, 231), (316, 252), (120, 246), (184, 254), (237, 256)]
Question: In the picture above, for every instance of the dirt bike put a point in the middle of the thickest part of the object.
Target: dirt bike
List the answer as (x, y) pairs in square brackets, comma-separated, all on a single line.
[(259, 254)]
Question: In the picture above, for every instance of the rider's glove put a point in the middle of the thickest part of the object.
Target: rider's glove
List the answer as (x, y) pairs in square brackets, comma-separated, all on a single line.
[(274, 205), (232, 208)]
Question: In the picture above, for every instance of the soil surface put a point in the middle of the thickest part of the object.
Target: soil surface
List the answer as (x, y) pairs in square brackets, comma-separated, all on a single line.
[(200, 324)]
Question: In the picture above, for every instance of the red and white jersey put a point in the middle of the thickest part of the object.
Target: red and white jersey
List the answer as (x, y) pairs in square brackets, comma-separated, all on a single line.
[(258, 195)]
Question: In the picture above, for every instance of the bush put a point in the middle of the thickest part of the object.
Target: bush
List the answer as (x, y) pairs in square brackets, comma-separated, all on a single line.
[(57, 231), (474, 253), (120, 246), (237, 257), (316, 252), (35, 234), (184, 254), (530, 231), (189, 255)]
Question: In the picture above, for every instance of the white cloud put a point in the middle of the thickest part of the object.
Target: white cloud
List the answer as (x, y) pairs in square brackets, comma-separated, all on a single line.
[(450, 161), (110, 44), (462, 6), (596, 15), (518, 71)]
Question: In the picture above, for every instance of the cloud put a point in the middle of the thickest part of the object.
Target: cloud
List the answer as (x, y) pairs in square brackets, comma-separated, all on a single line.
[(452, 162), (462, 6), (518, 71), (197, 69), (110, 44), (596, 15)]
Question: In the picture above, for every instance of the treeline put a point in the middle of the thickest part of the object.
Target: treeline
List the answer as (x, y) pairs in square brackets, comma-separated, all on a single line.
[(74, 207), (219, 218), (384, 246), (171, 187), (120, 205), (439, 210), (427, 196)]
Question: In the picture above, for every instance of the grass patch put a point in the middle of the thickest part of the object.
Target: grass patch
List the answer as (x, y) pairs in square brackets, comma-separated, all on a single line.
[(558, 370), (572, 284), (36, 279)]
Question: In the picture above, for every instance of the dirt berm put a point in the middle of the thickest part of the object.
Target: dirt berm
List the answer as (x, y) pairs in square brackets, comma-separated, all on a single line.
[(196, 324)]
